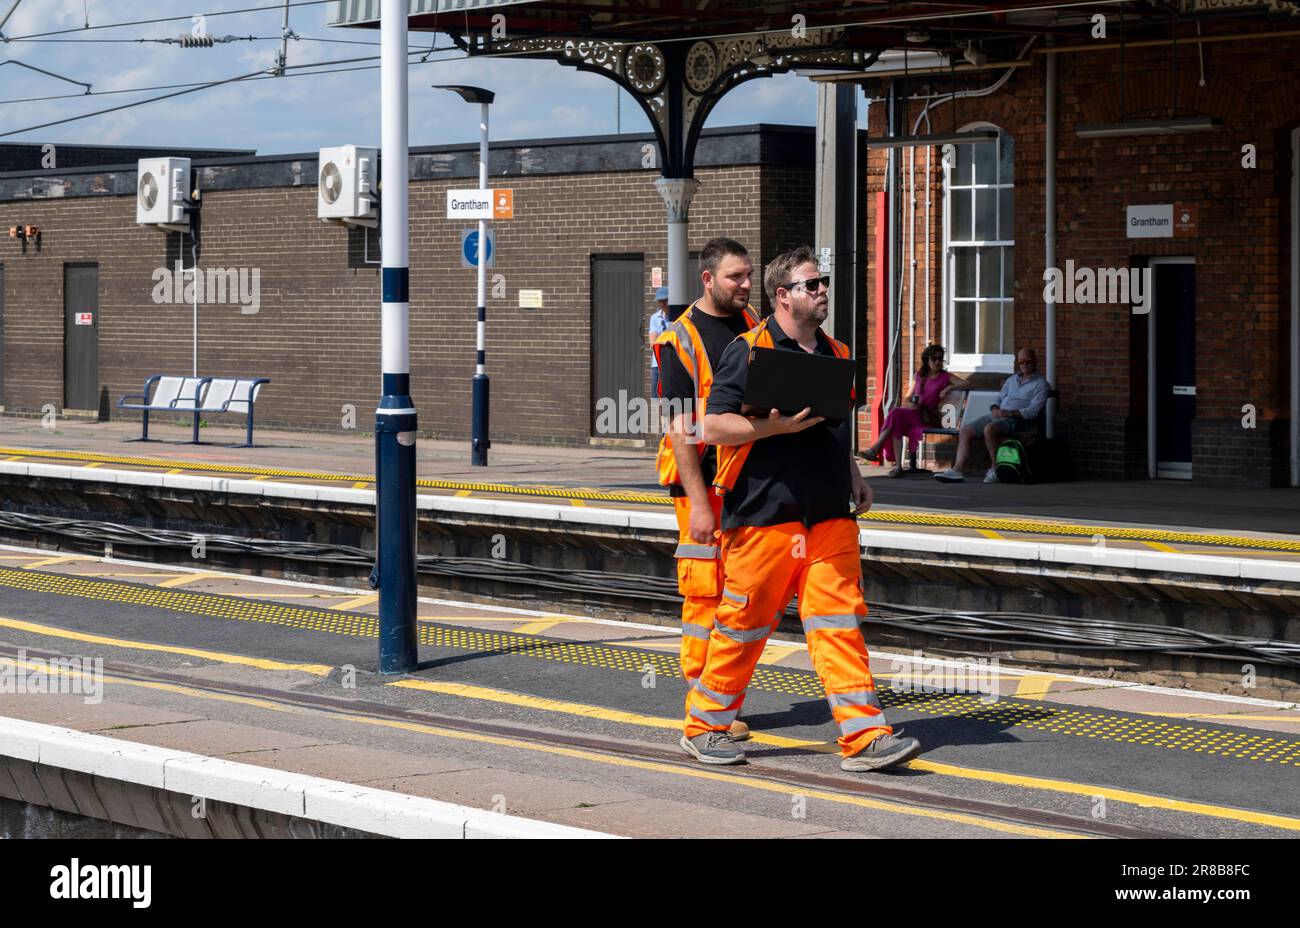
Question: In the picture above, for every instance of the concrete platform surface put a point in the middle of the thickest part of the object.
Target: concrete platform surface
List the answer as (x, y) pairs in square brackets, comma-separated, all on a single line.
[(573, 720)]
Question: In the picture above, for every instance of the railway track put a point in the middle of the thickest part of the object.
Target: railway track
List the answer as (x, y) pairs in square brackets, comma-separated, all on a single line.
[(785, 778)]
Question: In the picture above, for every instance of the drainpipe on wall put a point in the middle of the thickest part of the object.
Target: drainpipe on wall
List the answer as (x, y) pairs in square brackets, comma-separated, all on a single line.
[(1049, 231), (1295, 308)]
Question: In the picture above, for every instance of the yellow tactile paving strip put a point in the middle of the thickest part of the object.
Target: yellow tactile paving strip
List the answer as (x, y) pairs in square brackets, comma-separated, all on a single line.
[(363, 480), (1004, 712), (1065, 528), (987, 526)]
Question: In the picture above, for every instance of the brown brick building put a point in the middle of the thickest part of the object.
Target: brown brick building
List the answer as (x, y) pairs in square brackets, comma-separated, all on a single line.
[(586, 211)]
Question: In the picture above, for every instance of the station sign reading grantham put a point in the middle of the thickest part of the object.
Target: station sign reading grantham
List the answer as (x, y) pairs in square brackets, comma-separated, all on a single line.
[(481, 204), (1161, 220)]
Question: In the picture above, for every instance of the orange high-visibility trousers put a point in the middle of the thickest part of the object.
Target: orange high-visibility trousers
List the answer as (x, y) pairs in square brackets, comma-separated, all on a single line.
[(699, 580), (760, 568)]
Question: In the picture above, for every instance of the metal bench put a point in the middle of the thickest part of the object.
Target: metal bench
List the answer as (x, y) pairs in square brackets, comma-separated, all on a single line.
[(975, 403), (196, 395), (969, 404)]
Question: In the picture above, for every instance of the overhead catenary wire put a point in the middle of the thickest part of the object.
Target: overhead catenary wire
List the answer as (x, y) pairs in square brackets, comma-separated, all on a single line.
[(126, 106), (252, 75), (1005, 630), (164, 40), (263, 76), (187, 17), (160, 40)]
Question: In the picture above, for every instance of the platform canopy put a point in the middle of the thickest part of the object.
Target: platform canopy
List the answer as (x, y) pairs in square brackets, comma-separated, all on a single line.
[(868, 21)]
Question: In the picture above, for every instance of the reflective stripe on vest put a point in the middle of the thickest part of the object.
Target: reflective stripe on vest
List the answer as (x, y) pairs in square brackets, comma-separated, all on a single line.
[(732, 458), (684, 338)]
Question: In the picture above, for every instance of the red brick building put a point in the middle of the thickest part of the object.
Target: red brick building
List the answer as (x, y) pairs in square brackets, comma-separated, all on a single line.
[(1225, 281)]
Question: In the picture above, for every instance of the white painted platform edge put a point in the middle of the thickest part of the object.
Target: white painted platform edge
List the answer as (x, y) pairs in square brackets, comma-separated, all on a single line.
[(345, 804)]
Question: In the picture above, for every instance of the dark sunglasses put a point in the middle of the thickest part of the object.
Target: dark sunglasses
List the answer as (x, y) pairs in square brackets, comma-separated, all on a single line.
[(811, 285)]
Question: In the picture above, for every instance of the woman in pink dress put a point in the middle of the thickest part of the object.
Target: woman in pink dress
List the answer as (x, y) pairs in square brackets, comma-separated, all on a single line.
[(929, 389)]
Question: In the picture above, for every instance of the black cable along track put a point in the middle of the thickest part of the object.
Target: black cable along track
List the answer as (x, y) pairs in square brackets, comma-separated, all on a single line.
[(795, 778), (1004, 629)]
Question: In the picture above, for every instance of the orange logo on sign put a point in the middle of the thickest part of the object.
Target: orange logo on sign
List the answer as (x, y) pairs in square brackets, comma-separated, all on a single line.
[(503, 204), (1185, 225)]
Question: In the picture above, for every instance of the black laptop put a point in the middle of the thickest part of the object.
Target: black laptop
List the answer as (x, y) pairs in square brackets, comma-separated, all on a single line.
[(792, 380)]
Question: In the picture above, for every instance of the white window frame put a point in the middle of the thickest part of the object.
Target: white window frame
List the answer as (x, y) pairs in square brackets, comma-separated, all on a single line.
[(997, 363)]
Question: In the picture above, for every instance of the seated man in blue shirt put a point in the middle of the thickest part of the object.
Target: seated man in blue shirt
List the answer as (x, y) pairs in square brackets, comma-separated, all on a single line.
[(1021, 401)]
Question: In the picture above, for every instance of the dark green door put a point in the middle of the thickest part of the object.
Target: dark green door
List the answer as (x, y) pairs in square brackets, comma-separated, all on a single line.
[(81, 336)]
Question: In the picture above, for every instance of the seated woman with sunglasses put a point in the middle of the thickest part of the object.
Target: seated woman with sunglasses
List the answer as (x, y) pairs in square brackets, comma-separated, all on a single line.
[(931, 387)]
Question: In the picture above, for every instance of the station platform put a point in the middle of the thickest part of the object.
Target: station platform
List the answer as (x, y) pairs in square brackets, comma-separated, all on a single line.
[(1163, 582), (572, 720), (1139, 516)]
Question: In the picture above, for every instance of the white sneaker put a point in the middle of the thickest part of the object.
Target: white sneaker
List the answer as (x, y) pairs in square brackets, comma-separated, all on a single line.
[(951, 475), (991, 476)]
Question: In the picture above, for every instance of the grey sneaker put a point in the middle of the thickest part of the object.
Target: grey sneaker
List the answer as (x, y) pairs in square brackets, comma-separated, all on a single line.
[(885, 751), (951, 475), (713, 747), (991, 476)]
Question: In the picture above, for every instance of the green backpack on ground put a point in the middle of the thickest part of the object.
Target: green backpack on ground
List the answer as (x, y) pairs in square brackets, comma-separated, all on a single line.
[(1012, 463)]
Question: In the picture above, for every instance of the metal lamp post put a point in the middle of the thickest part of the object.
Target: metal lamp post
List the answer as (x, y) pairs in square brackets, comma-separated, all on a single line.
[(395, 419), (481, 392)]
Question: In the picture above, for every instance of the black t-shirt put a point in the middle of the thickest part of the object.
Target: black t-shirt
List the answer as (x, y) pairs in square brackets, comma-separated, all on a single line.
[(676, 383), (803, 477)]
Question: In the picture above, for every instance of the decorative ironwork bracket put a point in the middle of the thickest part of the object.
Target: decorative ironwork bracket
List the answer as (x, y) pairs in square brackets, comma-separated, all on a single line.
[(678, 84)]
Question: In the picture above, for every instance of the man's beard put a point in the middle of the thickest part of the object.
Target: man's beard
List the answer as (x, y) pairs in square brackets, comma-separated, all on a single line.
[(723, 302), (816, 313)]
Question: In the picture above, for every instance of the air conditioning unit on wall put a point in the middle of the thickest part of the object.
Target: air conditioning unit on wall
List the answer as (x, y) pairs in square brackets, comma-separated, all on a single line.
[(347, 185), (162, 193)]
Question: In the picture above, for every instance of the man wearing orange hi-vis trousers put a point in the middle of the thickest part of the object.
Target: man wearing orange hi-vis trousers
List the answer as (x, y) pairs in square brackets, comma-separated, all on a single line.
[(790, 490), (687, 353)]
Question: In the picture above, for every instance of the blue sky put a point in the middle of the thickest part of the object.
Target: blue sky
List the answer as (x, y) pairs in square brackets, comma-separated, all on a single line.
[(534, 98)]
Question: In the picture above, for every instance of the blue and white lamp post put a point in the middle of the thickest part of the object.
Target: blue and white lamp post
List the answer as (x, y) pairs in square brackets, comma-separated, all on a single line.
[(395, 419)]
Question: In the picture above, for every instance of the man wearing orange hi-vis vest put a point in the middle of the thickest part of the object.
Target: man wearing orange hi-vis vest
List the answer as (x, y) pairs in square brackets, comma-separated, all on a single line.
[(790, 490), (687, 353)]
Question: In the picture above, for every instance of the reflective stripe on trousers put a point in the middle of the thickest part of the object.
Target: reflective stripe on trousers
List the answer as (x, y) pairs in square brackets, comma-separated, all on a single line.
[(747, 636), (814, 623), (856, 711), (691, 630), (728, 705)]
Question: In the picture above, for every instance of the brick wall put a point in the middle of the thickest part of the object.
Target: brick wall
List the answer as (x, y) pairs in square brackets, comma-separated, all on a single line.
[(1241, 250), (317, 332)]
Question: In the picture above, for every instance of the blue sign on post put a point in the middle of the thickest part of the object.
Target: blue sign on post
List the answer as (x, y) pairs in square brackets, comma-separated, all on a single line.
[(469, 248)]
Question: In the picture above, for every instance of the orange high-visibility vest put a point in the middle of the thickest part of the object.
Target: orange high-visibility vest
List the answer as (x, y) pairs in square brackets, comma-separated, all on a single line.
[(731, 458), (684, 338)]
